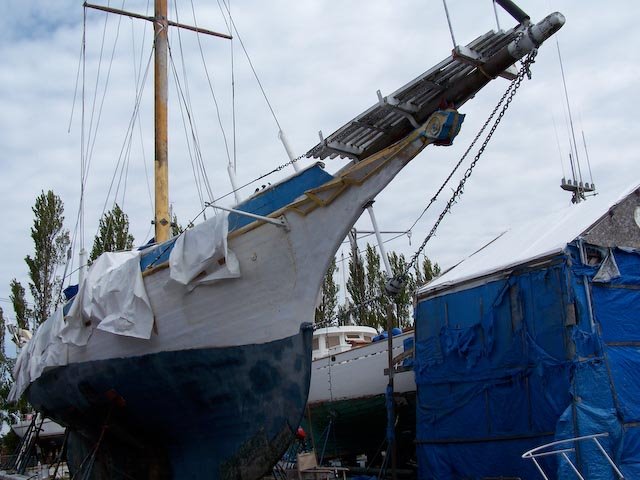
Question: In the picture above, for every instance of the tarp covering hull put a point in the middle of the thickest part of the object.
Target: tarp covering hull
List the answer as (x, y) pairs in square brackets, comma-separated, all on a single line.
[(537, 354), (205, 413)]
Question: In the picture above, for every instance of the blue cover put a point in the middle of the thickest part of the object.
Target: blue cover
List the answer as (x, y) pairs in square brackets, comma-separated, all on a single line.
[(503, 367), (265, 203)]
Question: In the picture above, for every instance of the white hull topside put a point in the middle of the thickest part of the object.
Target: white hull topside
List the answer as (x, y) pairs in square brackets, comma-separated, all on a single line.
[(358, 373), (49, 428), (281, 273), (281, 269)]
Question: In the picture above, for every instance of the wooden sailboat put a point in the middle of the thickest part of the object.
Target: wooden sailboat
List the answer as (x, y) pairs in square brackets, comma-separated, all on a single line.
[(192, 358)]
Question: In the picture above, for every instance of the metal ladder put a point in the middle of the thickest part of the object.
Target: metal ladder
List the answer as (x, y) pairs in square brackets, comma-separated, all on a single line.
[(27, 445)]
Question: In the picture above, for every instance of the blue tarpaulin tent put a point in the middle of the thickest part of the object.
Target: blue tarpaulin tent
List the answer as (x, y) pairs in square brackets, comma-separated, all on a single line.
[(534, 338)]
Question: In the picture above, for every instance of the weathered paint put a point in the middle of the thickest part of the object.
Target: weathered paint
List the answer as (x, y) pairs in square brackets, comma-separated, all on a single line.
[(358, 426), (202, 413)]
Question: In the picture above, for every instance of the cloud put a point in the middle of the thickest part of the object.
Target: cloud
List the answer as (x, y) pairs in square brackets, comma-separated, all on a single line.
[(320, 63)]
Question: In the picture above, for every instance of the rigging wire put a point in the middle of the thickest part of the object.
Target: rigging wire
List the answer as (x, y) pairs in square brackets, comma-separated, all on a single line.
[(233, 96), (586, 152), (138, 75), (186, 99), (233, 83), (129, 130), (255, 74), (566, 96), (555, 129), (464, 155), (509, 95), (93, 133), (197, 178), (206, 70), (506, 99), (184, 93)]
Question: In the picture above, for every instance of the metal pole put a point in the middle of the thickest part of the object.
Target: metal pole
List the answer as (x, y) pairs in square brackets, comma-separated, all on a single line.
[(287, 147), (161, 162), (232, 178), (83, 265), (514, 10), (383, 254), (495, 12), (446, 11), (391, 415)]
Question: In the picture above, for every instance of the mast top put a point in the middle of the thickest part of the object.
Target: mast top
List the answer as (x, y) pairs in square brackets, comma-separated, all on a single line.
[(162, 217)]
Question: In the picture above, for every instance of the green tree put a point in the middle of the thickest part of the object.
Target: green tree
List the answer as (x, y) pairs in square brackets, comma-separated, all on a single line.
[(50, 243), (376, 279), (113, 233), (176, 228), (326, 311), (430, 270), (22, 311), (356, 287), (9, 412), (403, 300)]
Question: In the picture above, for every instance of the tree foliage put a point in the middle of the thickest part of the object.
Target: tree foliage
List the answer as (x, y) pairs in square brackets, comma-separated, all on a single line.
[(368, 301), (357, 289), (403, 299), (176, 228), (50, 244), (9, 412), (113, 233), (326, 310), (22, 311), (429, 272)]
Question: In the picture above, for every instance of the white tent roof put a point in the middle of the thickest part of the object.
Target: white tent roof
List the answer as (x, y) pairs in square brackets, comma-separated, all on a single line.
[(537, 238)]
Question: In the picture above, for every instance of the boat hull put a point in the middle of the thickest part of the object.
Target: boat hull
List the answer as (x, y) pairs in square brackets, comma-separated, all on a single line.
[(348, 428), (201, 413), (346, 410)]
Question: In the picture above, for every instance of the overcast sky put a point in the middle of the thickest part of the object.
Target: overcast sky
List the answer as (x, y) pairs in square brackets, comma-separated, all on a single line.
[(320, 63)]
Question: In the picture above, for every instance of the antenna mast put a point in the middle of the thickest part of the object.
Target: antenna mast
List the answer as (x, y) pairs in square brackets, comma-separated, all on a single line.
[(577, 187)]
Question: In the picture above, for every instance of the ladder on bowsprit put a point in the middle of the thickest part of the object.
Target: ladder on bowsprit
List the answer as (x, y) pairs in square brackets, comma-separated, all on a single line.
[(26, 448)]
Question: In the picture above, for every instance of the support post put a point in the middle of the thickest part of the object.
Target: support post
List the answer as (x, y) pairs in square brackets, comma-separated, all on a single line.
[(83, 265), (383, 253), (232, 179), (515, 11), (391, 416), (285, 141)]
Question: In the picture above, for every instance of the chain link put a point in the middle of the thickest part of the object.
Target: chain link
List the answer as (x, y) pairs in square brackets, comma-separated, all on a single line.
[(508, 95)]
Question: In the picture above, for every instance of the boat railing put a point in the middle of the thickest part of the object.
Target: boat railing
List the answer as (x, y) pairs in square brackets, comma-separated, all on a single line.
[(563, 447)]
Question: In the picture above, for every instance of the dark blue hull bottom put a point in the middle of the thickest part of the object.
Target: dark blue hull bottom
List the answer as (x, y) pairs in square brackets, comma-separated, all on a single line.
[(226, 413)]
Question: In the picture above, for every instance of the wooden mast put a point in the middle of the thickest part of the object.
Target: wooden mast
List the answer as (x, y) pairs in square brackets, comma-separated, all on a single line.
[(162, 220)]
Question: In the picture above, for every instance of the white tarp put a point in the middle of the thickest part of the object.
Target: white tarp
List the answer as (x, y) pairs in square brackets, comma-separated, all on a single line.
[(537, 238), (44, 350), (200, 255), (111, 298)]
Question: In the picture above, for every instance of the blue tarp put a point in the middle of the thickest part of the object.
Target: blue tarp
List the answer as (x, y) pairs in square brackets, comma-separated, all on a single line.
[(542, 354), (263, 203)]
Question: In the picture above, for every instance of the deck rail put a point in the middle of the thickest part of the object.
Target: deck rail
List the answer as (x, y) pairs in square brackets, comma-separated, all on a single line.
[(550, 449)]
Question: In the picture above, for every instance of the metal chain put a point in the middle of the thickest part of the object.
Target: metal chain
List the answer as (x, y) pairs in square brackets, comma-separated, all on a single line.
[(464, 155), (510, 93)]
